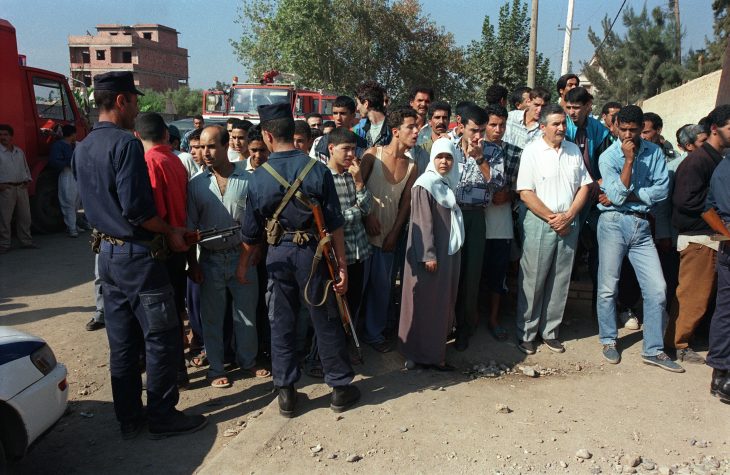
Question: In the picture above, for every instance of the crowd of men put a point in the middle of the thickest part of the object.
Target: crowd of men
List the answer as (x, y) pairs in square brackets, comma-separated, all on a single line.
[(217, 226)]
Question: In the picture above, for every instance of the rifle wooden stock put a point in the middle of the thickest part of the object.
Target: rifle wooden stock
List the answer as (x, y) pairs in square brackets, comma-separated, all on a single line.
[(333, 267)]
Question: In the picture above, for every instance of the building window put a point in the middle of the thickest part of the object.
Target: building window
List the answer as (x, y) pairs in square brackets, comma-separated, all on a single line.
[(100, 55), (85, 57), (147, 36), (127, 34), (126, 56), (113, 33)]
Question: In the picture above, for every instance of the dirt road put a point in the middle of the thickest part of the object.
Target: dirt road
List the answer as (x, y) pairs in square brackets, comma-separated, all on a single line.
[(407, 422)]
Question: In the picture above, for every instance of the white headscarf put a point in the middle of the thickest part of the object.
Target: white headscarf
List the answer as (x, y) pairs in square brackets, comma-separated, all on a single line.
[(442, 187)]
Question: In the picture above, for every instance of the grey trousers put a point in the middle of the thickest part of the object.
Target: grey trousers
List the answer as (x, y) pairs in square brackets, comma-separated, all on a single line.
[(544, 278), (14, 200)]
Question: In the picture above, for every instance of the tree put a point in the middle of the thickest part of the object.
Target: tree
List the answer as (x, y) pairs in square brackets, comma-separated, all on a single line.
[(186, 101), (502, 57), (336, 44), (641, 64)]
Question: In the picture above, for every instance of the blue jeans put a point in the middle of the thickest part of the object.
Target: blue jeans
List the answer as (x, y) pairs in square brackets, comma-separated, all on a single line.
[(628, 235), (219, 275), (378, 284)]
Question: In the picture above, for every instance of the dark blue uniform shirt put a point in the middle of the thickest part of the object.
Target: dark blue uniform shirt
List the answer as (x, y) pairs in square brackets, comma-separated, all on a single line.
[(719, 194), (265, 193), (60, 155), (113, 182)]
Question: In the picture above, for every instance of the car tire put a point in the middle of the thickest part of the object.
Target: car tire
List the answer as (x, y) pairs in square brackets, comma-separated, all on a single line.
[(44, 206)]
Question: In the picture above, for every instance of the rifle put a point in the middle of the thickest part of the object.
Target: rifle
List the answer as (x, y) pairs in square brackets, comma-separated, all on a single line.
[(198, 236), (334, 270)]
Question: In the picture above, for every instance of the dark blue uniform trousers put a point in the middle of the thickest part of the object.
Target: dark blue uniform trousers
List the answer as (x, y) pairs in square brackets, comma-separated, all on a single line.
[(138, 295), (718, 356), (288, 266)]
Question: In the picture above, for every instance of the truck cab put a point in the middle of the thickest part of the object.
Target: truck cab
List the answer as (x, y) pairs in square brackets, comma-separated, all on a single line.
[(36, 103), (242, 101)]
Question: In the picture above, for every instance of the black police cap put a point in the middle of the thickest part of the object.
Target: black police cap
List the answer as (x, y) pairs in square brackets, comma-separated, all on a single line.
[(116, 81), (281, 110)]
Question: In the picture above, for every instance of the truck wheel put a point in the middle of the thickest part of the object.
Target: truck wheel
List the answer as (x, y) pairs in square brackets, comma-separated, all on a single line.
[(44, 207)]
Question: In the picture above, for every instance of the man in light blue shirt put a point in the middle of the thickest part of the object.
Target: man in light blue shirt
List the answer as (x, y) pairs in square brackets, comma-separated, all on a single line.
[(217, 199), (634, 180)]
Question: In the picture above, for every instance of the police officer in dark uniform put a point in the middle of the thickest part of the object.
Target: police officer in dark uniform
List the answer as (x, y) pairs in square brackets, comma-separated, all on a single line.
[(290, 256), (115, 188), (717, 215)]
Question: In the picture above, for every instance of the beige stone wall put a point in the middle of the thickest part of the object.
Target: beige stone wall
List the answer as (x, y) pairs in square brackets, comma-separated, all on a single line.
[(685, 104)]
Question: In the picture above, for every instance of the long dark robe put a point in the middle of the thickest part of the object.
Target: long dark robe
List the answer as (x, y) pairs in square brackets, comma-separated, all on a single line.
[(427, 307)]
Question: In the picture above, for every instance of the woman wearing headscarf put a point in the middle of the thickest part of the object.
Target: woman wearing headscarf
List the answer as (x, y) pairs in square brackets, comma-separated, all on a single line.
[(431, 275)]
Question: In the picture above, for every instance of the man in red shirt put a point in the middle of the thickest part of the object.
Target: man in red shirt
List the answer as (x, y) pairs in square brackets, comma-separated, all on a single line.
[(169, 181)]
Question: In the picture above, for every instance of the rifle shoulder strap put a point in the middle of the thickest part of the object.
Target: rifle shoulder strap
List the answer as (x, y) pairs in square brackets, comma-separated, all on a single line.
[(292, 189)]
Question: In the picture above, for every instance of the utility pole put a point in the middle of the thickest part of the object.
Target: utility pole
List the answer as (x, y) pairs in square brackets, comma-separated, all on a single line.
[(677, 33), (531, 62), (566, 44)]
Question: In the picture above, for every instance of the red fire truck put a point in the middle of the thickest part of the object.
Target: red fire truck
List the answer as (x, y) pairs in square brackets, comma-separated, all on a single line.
[(36, 103), (242, 100)]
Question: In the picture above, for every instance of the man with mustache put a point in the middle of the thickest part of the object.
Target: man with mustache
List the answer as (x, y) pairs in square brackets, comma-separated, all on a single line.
[(439, 115), (553, 183)]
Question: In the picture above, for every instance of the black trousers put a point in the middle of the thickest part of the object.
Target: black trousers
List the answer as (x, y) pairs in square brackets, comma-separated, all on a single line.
[(289, 266), (718, 356), (138, 296)]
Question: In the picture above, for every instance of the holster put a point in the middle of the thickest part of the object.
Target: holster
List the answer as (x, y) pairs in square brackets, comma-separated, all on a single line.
[(95, 241), (274, 232)]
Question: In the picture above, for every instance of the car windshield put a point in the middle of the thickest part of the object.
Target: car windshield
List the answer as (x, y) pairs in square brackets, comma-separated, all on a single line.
[(247, 100)]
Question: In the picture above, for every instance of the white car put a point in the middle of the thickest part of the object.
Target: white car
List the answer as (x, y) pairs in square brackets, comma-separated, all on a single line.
[(33, 392)]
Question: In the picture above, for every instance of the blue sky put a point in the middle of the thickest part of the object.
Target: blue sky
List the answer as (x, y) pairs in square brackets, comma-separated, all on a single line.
[(206, 26)]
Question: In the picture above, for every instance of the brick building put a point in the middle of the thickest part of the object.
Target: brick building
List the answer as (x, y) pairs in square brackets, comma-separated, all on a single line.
[(150, 51)]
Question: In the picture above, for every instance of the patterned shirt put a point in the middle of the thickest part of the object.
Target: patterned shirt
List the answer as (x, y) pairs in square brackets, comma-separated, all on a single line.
[(473, 190), (355, 205)]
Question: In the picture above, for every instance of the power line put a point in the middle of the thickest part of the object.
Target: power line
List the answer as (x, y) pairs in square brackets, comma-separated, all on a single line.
[(610, 28)]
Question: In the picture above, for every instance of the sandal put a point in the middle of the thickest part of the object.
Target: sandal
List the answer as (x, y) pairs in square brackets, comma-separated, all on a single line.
[(199, 361), (220, 382), (255, 372), (499, 333)]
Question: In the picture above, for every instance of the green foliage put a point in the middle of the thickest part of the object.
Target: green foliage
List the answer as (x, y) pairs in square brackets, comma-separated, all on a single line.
[(185, 101), (638, 65), (336, 44), (152, 101), (501, 57), (715, 51)]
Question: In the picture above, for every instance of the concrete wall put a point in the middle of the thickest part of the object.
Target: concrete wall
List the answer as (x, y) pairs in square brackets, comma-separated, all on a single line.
[(685, 104)]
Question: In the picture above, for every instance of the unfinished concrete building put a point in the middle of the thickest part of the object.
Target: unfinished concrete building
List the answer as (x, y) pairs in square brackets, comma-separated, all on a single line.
[(150, 51)]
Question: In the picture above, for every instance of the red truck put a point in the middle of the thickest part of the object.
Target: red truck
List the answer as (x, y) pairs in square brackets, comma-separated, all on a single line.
[(36, 103), (241, 100)]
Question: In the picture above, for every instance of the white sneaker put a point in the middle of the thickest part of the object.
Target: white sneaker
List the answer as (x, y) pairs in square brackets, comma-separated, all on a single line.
[(629, 320)]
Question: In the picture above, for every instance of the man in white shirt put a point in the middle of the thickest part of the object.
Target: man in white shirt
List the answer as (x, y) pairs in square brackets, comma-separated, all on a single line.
[(14, 180), (553, 184)]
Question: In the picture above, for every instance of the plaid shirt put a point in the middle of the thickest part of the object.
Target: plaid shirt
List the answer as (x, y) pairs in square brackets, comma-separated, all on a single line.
[(355, 205), (512, 155)]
